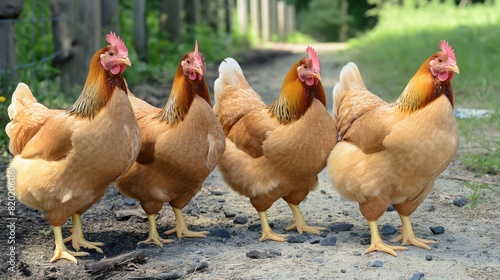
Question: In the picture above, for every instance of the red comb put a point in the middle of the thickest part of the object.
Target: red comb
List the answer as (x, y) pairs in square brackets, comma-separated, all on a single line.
[(311, 53), (113, 39), (446, 48)]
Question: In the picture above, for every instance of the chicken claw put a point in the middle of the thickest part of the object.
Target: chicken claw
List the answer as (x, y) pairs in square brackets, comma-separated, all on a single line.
[(60, 252), (77, 239), (181, 227), (378, 245), (300, 223), (154, 237), (267, 232), (408, 236)]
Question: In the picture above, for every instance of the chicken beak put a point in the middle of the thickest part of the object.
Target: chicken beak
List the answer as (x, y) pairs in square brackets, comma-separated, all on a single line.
[(125, 60), (453, 68), (198, 69), (316, 75)]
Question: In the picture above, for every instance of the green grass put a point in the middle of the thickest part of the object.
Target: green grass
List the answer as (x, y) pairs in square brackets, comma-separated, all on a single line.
[(389, 55)]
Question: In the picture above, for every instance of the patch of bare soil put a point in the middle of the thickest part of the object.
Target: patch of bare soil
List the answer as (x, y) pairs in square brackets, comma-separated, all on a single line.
[(467, 249)]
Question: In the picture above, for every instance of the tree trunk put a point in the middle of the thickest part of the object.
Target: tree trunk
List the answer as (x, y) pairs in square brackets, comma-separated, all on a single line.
[(78, 35), (140, 30), (9, 9), (242, 7), (281, 11), (265, 15), (343, 21)]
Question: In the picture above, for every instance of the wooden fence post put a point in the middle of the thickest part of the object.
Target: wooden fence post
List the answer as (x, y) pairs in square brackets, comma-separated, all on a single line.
[(281, 9), (171, 19), (78, 35), (290, 19), (255, 20), (9, 9), (266, 22), (110, 17), (193, 11), (140, 30), (242, 7)]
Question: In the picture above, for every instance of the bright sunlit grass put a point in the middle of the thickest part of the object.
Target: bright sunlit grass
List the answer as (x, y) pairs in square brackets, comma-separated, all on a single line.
[(389, 55)]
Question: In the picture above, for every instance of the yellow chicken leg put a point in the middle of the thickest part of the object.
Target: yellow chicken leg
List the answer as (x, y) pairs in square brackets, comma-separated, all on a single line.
[(76, 237), (154, 237), (408, 236), (377, 244), (300, 223), (181, 227), (60, 252), (267, 232)]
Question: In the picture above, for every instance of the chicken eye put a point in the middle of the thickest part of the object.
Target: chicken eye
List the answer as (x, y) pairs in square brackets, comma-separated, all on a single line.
[(440, 60), (305, 67), (188, 61), (111, 53)]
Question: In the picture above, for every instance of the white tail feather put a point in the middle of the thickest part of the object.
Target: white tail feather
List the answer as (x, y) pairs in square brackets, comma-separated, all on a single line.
[(230, 74), (21, 98), (350, 79)]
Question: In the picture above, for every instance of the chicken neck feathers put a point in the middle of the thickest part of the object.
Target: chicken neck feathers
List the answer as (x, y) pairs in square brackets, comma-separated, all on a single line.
[(97, 91)]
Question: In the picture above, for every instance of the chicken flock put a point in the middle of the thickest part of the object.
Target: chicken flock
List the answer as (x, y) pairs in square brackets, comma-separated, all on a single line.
[(376, 153)]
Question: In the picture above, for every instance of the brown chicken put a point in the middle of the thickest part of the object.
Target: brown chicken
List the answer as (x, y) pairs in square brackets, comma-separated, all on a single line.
[(65, 159), (181, 144), (392, 153), (275, 151)]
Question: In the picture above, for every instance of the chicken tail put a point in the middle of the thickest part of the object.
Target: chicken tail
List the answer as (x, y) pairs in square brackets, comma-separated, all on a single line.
[(233, 95), (350, 79), (21, 98)]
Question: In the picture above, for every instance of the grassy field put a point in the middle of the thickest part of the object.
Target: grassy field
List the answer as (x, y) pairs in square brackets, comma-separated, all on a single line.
[(389, 55)]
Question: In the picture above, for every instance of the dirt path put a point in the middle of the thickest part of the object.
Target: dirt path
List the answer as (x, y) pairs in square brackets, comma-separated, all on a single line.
[(468, 248)]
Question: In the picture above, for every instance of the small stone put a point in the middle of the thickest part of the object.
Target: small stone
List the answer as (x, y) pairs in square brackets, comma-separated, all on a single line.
[(366, 239), (451, 239), (274, 252), (254, 227), (220, 232), (197, 267), (221, 200), (431, 208), (389, 230), (254, 254), (240, 220), (129, 201), (315, 240), (329, 241), (390, 208), (24, 268), (343, 270), (229, 215), (377, 263), (460, 201), (417, 276), (295, 238), (217, 193), (437, 229), (356, 253), (323, 192), (428, 257), (340, 227)]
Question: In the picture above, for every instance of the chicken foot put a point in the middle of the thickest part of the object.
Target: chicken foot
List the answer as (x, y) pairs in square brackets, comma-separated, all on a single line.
[(154, 237), (181, 227), (408, 236), (377, 244), (76, 237), (300, 223), (60, 252), (267, 232)]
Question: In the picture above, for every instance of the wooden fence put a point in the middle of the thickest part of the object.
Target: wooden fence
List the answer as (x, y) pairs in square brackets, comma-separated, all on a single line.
[(78, 28)]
